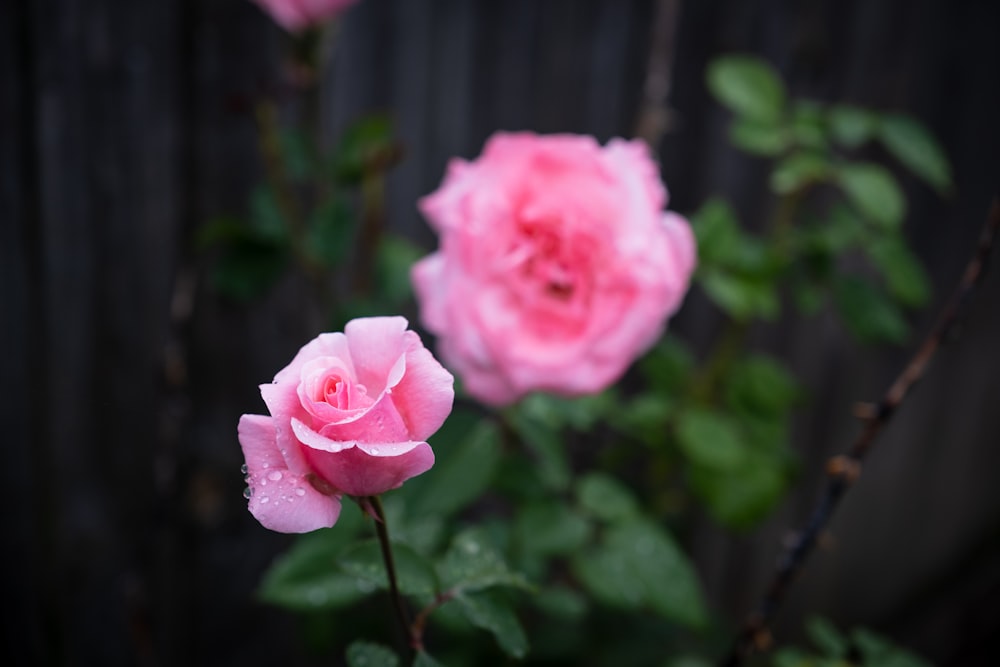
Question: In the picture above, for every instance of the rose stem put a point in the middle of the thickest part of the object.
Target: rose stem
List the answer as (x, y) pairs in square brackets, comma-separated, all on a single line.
[(382, 528)]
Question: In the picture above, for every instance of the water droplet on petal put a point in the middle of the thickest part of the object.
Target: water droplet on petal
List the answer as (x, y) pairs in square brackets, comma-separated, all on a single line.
[(300, 492), (374, 451), (267, 465), (274, 476), (247, 493), (244, 469), (264, 500)]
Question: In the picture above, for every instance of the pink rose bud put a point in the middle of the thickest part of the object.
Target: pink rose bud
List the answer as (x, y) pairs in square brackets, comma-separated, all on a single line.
[(557, 264), (294, 15), (349, 415)]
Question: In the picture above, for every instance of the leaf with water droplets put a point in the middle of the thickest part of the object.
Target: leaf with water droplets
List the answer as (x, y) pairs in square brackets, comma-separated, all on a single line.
[(363, 653), (414, 575), (306, 577), (638, 564), (490, 610), (473, 563)]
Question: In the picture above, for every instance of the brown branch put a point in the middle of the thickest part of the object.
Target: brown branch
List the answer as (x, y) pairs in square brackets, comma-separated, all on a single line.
[(654, 113), (843, 470)]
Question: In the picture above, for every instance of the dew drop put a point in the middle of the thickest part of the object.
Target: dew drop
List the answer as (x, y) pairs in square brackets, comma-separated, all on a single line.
[(264, 500), (247, 493), (244, 469), (263, 482), (300, 492), (266, 465), (274, 476), (374, 450)]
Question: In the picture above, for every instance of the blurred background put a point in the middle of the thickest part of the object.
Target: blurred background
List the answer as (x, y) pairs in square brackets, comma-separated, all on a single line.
[(125, 125)]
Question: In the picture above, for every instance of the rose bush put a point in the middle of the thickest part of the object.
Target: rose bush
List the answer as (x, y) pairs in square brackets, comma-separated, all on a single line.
[(294, 15), (349, 415), (557, 264)]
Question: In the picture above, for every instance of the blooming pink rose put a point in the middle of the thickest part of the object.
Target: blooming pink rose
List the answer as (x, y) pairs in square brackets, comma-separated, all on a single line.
[(350, 414), (294, 15), (557, 264)]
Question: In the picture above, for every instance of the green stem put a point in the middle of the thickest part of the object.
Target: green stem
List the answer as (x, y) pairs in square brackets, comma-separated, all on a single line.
[(382, 529)]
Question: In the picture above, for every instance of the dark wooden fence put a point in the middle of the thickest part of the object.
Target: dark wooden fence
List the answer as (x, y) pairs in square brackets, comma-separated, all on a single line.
[(124, 125)]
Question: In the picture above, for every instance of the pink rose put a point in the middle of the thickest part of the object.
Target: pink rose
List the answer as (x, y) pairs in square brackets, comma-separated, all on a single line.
[(350, 414), (294, 15), (557, 266)]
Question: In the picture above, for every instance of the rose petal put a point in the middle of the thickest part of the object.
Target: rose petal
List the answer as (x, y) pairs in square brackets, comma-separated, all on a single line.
[(324, 345), (364, 471), (425, 395), (427, 277), (280, 499), (288, 503), (282, 402), (377, 347)]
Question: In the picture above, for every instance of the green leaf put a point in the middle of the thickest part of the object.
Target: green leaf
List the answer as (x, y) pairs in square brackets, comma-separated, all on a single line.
[(330, 233), (561, 602), (710, 438), (808, 125), (550, 529), (760, 385), (798, 171), (424, 659), (741, 297), (491, 611), (639, 564), (606, 498), (394, 258), (905, 277), (365, 144), (879, 652), (414, 575), (716, 231), (851, 126), (739, 497), (544, 441), (306, 577), (767, 139), (473, 563), (298, 154), (874, 192), (266, 218), (914, 146), (867, 311), (464, 475), (748, 86), (826, 637), (667, 365), (363, 653)]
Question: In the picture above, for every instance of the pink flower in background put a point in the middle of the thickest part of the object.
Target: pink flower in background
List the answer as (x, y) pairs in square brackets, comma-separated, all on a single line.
[(557, 264), (349, 415), (294, 15)]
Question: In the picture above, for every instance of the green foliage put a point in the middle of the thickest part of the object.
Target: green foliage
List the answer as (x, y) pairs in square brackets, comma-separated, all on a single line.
[(874, 192), (868, 312), (636, 565), (366, 145), (916, 149), (492, 612), (748, 86), (369, 654), (862, 648)]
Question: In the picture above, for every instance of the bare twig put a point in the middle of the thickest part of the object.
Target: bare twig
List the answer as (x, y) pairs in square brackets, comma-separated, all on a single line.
[(843, 470), (654, 114)]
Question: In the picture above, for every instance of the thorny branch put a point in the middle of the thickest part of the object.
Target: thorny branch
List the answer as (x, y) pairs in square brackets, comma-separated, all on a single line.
[(843, 470)]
